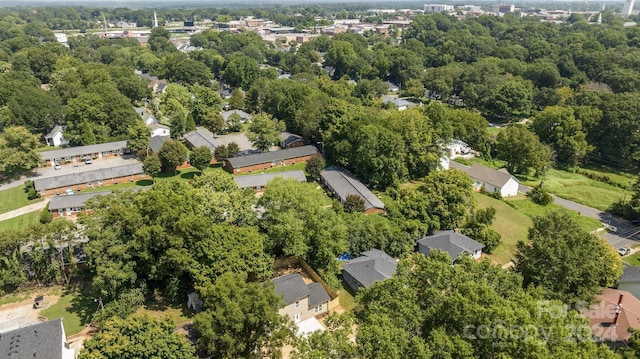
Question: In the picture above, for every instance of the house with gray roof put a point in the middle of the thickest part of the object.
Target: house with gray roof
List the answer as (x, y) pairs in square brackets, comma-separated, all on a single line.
[(156, 142), (201, 137), (302, 301), (399, 103), (42, 340), (289, 140), (89, 179), (630, 280), (146, 117), (55, 136), (342, 184), (259, 182), (244, 117), (265, 160), (68, 205), (372, 266), (490, 179), (452, 242), (79, 153)]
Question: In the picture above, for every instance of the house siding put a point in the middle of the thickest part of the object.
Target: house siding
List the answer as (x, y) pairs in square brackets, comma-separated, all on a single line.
[(508, 190), (296, 143), (352, 282), (266, 165), (69, 212), (82, 186)]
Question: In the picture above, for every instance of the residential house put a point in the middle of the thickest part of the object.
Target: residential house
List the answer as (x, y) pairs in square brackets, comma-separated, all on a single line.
[(71, 205), (55, 136), (90, 179), (490, 179), (244, 117), (399, 103), (451, 242), (613, 317), (146, 117), (290, 140), (159, 130), (457, 148), (78, 154), (301, 301), (201, 137), (343, 184), (259, 182), (391, 87), (266, 160), (630, 280), (156, 142), (42, 340), (372, 266)]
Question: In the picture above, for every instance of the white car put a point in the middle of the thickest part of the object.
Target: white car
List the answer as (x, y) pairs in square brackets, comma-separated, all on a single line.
[(88, 161), (57, 166), (624, 251)]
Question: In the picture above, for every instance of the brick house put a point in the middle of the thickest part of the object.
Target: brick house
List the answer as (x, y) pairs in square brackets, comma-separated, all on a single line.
[(90, 179), (79, 153), (71, 205), (259, 181), (290, 140), (266, 160)]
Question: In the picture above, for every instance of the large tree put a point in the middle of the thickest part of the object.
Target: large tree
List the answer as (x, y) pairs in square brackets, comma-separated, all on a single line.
[(522, 150), (172, 154), (241, 319), (17, 151), (138, 336), (264, 131), (200, 157), (569, 262)]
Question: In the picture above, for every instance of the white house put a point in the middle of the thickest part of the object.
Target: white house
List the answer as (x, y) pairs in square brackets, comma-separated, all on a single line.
[(54, 137), (159, 130), (492, 180), (146, 117), (457, 148), (400, 104)]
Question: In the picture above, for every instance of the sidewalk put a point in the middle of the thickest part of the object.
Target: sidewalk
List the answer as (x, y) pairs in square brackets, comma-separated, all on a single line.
[(26, 209)]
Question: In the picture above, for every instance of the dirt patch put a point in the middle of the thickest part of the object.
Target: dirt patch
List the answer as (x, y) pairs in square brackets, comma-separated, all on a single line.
[(76, 341), (20, 314), (291, 270)]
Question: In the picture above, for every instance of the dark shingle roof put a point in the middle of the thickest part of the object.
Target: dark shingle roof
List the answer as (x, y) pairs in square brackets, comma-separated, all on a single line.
[(497, 178), (202, 137), (86, 177), (264, 178), (630, 274), (287, 138), (83, 150), (317, 294), (74, 200), (343, 184), (274, 156), (451, 242), (371, 266), (290, 287), (43, 340), (156, 142)]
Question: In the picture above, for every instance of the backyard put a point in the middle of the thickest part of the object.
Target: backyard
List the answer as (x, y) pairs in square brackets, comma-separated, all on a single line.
[(75, 307), (14, 198), (20, 222)]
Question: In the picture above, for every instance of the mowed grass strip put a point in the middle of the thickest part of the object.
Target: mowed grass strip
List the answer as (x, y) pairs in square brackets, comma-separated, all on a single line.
[(21, 222), (75, 308), (14, 198), (512, 225), (531, 209)]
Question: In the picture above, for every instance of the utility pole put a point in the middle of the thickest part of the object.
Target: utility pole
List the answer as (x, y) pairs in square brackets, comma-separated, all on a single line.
[(322, 143)]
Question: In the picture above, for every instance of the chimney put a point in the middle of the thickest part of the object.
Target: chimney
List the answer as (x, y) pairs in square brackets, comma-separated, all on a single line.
[(618, 310)]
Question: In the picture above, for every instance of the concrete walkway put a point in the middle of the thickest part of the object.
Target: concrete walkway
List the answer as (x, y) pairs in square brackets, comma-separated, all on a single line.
[(26, 209)]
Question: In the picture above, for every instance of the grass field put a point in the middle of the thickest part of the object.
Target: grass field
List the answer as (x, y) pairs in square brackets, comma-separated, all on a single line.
[(14, 297), (75, 308), (296, 167), (633, 259), (531, 209), (20, 222), (346, 298), (14, 198), (578, 188), (510, 223), (159, 310)]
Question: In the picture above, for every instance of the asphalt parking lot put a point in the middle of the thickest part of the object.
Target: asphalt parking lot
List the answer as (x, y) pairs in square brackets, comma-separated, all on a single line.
[(77, 167)]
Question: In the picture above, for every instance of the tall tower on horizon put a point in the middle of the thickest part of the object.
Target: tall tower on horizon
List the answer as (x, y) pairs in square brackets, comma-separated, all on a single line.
[(155, 19), (628, 8)]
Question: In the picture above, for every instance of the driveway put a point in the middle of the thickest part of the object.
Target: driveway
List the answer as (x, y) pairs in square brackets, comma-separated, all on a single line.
[(239, 138), (627, 234)]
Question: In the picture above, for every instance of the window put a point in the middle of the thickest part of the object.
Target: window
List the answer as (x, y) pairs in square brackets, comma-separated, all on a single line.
[(297, 304), (318, 308)]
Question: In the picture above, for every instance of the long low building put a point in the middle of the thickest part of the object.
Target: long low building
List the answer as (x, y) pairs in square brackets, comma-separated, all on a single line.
[(78, 181), (342, 184), (259, 181), (70, 205), (266, 160), (78, 154)]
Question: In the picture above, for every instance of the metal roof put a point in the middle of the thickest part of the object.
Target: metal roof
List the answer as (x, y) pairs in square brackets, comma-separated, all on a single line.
[(343, 184), (261, 180), (83, 150), (74, 200), (202, 137), (88, 176), (274, 156), (42, 340)]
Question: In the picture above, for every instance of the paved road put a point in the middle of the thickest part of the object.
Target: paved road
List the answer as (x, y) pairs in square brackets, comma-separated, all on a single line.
[(627, 234), (26, 209)]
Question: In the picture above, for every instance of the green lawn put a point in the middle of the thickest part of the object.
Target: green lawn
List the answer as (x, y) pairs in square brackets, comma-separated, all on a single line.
[(534, 210), (578, 188), (75, 308), (633, 259), (23, 221), (14, 198), (346, 297), (296, 167), (510, 223), (179, 314), (14, 297)]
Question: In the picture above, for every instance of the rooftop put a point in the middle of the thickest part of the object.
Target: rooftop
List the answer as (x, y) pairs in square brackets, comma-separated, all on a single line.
[(291, 288), (630, 274), (86, 177), (261, 180), (54, 130), (344, 184), (451, 242), (601, 315), (156, 142), (274, 156), (371, 266), (43, 340), (83, 150), (74, 200), (202, 137), (497, 178), (242, 114)]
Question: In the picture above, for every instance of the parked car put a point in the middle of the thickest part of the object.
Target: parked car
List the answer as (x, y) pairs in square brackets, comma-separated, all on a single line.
[(88, 161), (624, 251), (57, 166)]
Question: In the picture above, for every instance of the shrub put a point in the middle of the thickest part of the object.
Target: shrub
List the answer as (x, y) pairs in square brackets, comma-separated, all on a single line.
[(30, 190), (540, 196), (46, 216)]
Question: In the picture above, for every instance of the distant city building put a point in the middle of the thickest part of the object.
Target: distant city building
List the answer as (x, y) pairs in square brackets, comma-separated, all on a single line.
[(436, 8), (503, 9), (627, 10)]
